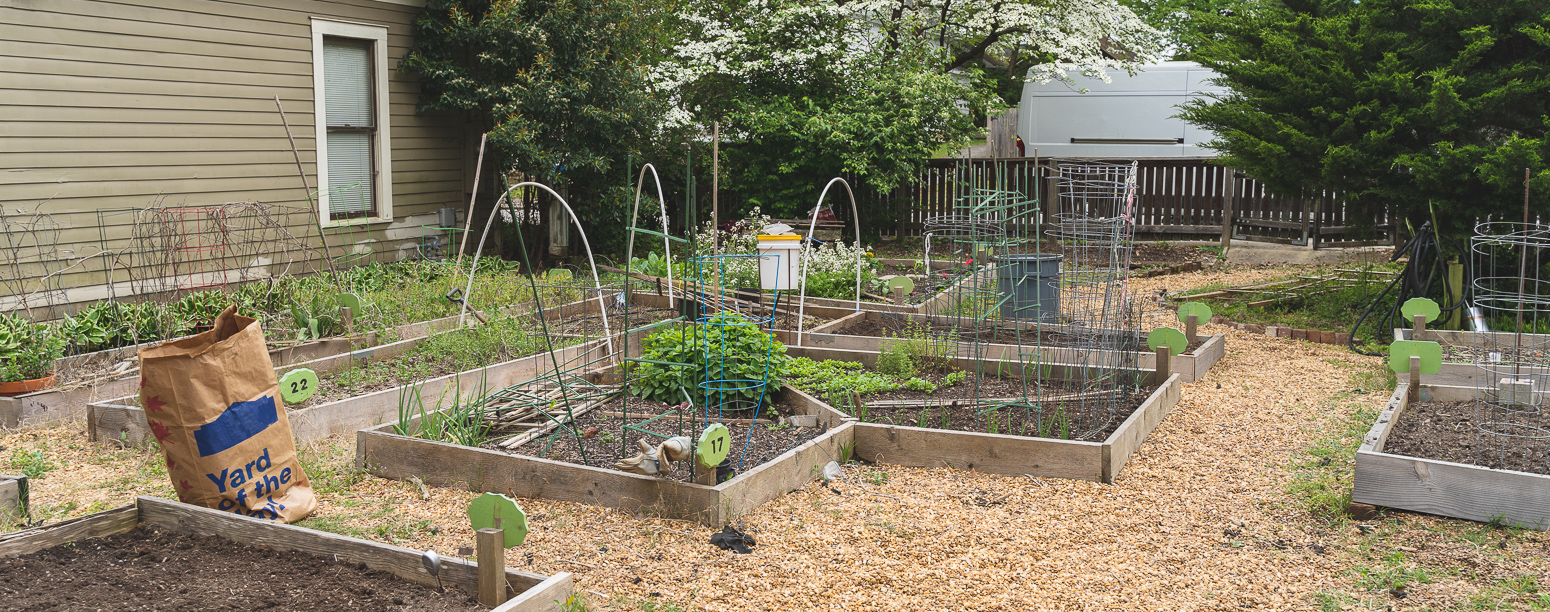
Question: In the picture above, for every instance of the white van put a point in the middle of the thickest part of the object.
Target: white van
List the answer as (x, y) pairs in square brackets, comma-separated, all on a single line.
[(1131, 117)]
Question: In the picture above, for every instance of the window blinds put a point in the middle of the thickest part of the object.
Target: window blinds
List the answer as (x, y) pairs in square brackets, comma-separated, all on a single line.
[(348, 103)]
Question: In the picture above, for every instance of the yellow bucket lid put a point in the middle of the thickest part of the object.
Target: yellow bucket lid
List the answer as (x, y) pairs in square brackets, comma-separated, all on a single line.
[(779, 237)]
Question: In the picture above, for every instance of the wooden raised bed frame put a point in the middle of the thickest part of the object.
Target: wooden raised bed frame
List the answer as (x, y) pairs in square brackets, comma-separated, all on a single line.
[(13, 500), (1444, 488), (1189, 366), (1001, 453), (53, 406), (383, 453), (116, 421), (1459, 374), (534, 592)]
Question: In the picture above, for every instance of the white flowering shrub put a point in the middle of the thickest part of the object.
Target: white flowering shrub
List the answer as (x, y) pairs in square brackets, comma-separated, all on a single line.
[(831, 269)]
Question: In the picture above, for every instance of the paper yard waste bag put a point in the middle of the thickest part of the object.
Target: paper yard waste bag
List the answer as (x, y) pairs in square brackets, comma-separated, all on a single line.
[(213, 404)]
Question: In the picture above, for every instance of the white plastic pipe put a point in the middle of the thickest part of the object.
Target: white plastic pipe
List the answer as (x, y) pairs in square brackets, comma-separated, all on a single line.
[(468, 292), (635, 216), (813, 225)]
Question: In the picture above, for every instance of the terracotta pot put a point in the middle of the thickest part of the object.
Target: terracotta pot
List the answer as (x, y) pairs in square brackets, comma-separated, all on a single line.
[(26, 386)]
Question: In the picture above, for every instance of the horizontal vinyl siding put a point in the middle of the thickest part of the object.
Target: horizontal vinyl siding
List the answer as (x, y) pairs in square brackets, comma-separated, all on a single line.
[(108, 106)]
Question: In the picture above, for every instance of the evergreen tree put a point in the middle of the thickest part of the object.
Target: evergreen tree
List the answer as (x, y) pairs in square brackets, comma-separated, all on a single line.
[(1399, 104)]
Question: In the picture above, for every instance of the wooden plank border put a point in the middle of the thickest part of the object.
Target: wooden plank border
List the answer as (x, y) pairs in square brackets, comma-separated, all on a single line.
[(1018, 455), (1462, 374), (13, 498), (53, 406), (116, 421), (535, 592), (1189, 366), (1456, 490), (385, 454)]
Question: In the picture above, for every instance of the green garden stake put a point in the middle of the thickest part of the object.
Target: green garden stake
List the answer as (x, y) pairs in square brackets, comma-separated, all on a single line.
[(297, 385), (1429, 352), (713, 446), (1201, 311), (496, 511), (351, 301), (1420, 306), (1166, 336)]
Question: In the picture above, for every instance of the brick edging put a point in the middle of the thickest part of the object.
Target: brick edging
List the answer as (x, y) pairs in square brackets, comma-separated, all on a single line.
[(1276, 331)]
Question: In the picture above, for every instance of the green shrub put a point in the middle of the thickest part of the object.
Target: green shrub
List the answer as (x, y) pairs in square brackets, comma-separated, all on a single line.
[(895, 359), (729, 347), (27, 349)]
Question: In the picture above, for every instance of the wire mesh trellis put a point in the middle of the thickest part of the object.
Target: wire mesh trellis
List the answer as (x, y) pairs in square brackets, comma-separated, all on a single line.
[(1512, 289), (1043, 321)]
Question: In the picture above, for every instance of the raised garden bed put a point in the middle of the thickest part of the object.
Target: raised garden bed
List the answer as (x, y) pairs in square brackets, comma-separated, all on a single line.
[(1000, 453), (68, 401), (13, 499), (121, 420), (863, 331), (1003, 453), (1403, 463), (384, 453), (158, 555), (1461, 349)]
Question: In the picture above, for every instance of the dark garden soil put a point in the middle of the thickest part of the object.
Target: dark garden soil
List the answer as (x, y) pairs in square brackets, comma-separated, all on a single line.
[(995, 335), (600, 434), (1448, 431), (150, 569), (1066, 412)]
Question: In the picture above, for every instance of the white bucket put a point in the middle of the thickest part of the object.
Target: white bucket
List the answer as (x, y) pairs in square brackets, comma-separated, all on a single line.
[(779, 272)]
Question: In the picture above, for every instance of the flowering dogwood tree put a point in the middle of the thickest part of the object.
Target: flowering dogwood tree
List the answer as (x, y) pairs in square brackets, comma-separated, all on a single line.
[(807, 89)]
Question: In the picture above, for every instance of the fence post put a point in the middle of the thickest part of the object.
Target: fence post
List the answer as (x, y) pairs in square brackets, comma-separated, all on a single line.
[(1229, 194)]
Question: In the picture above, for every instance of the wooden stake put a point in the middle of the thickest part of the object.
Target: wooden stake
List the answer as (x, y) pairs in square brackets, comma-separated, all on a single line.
[(317, 217), (1415, 378), (898, 295), (1418, 329), (1189, 327), (1229, 195), (715, 186), (492, 566), (468, 222), (346, 315), (1164, 365)]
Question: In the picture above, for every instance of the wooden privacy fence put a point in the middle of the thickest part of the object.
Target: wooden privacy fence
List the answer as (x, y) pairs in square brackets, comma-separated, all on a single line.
[(1178, 197)]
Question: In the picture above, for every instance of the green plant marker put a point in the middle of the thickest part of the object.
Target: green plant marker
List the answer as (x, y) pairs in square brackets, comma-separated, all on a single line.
[(1201, 311), (1169, 337), (351, 301), (901, 281), (714, 445), (297, 385), (493, 510), (1429, 352), (1420, 306)]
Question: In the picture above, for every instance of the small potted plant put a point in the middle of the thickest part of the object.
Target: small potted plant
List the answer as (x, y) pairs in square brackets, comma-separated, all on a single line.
[(27, 354)]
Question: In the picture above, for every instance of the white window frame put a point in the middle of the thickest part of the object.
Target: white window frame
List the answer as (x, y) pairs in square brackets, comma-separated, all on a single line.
[(382, 145)]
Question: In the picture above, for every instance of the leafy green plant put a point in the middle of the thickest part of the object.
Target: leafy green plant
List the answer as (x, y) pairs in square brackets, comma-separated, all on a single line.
[(912, 351), (317, 320), (835, 381), (27, 349), (729, 347), (652, 265), (920, 384), (952, 379), (32, 464), (895, 360)]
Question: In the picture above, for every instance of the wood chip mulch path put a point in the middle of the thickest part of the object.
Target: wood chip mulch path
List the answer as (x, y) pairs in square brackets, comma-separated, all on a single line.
[(1200, 519)]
